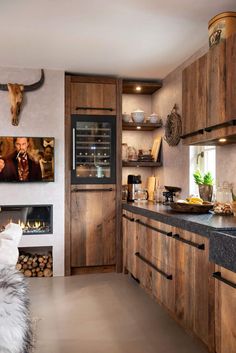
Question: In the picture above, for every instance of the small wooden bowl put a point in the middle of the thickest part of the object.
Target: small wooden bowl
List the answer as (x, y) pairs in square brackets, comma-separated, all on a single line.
[(190, 208)]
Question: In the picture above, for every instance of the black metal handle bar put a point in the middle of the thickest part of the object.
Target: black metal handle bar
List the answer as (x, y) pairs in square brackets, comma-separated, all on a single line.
[(169, 277), (91, 190), (218, 276), (94, 108), (169, 234), (189, 242)]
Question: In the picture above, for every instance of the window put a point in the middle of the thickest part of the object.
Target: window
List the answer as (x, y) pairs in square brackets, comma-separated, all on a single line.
[(204, 159)]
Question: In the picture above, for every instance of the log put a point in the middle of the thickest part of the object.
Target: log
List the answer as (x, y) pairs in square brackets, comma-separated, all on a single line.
[(28, 273), (40, 274), (18, 266), (47, 272)]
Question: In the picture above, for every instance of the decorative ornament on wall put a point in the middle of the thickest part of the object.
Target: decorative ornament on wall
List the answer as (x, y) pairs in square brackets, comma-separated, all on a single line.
[(16, 95), (173, 127)]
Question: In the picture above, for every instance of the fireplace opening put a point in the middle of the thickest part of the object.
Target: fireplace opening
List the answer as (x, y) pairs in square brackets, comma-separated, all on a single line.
[(33, 219)]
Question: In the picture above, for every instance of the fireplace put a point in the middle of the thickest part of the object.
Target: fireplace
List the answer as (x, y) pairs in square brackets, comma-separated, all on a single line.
[(33, 219)]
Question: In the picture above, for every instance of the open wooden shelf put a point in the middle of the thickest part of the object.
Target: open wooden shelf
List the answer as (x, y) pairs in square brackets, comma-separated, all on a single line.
[(147, 87), (143, 126), (141, 164)]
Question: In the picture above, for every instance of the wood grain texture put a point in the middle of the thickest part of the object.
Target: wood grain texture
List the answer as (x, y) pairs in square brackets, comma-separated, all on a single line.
[(189, 296), (231, 77), (119, 242), (95, 95), (92, 227), (216, 85), (67, 174), (225, 313), (198, 286), (194, 96)]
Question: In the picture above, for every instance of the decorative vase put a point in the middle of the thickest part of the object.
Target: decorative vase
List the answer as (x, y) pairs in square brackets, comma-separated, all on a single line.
[(205, 192)]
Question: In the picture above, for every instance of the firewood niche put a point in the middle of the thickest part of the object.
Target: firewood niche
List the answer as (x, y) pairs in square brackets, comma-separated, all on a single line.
[(36, 263)]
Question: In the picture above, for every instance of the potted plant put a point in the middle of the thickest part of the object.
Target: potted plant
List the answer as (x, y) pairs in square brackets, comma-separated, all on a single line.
[(205, 185)]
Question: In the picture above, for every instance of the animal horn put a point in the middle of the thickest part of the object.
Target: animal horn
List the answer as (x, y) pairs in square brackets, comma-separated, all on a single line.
[(3, 87), (34, 86), (27, 88)]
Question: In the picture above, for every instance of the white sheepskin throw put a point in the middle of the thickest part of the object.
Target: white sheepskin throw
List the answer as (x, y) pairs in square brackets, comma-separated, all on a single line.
[(9, 241), (15, 326)]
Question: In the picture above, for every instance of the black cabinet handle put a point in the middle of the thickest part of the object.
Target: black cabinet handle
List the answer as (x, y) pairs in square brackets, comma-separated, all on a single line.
[(190, 134), (218, 126), (129, 218), (94, 108), (218, 276), (169, 234), (92, 190), (169, 277), (189, 242)]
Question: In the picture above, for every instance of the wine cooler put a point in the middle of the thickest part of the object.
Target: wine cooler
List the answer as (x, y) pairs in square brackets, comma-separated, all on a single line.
[(93, 149)]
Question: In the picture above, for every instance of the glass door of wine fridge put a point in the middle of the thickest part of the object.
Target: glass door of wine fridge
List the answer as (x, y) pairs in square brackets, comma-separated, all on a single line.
[(93, 149)]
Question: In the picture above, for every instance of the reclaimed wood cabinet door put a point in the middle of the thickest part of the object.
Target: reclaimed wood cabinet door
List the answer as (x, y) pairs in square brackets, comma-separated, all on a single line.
[(216, 85), (192, 260), (231, 77), (225, 285), (93, 97), (92, 225), (194, 95), (129, 244)]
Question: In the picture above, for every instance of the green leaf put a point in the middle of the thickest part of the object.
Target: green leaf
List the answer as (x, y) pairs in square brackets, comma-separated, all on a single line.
[(207, 179), (198, 177)]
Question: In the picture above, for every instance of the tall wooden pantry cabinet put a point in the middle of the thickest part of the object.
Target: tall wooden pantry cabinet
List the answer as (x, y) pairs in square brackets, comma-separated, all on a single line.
[(92, 174)]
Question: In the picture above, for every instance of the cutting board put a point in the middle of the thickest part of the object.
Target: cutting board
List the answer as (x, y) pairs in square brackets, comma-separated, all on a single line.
[(151, 184)]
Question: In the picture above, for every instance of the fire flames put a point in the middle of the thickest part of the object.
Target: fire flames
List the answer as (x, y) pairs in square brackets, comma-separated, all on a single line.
[(31, 225)]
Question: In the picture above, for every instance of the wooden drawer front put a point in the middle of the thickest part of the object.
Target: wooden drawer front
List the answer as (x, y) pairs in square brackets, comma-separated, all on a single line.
[(100, 97), (225, 311)]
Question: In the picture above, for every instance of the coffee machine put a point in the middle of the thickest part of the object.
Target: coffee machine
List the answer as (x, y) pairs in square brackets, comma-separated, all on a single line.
[(134, 182)]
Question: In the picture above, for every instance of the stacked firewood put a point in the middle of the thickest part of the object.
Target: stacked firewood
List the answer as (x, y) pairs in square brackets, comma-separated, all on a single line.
[(35, 265)]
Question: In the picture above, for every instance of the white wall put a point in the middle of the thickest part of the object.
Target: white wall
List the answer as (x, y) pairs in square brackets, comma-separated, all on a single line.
[(42, 115)]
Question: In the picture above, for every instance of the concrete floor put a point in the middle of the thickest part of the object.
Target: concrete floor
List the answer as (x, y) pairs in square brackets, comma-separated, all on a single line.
[(103, 313)]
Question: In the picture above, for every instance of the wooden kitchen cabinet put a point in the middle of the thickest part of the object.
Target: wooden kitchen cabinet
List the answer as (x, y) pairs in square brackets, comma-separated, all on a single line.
[(194, 92), (93, 95), (92, 225), (173, 265), (209, 113), (225, 303)]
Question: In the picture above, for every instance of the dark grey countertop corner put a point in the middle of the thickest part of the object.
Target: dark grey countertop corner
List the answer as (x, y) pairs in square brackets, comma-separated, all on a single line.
[(222, 250)]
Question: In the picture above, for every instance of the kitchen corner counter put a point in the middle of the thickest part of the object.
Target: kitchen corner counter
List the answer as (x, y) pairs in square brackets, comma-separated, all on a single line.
[(221, 230)]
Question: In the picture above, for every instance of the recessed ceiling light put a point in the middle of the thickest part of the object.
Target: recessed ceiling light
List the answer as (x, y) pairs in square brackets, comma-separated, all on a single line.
[(222, 140), (138, 127), (138, 88)]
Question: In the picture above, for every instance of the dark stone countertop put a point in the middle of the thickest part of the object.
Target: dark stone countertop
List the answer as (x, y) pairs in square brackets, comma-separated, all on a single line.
[(221, 230)]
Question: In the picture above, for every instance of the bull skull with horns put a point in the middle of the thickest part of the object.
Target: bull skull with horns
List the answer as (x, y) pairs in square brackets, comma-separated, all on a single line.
[(16, 95)]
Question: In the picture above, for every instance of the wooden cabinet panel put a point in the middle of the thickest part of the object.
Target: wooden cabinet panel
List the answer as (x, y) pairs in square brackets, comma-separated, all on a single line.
[(194, 92), (216, 85), (231, 77), (197, 284), (93, 95), (225, 312), (92, 226), (130, 244)]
